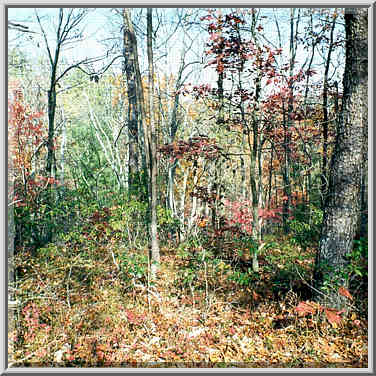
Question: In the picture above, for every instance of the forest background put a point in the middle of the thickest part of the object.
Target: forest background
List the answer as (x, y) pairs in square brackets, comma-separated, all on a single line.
[(188, 187)]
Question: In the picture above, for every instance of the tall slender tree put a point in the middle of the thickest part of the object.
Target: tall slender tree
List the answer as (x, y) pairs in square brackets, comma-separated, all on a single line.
[(134, 115), (325, 108), (68, 31), (153, 152)]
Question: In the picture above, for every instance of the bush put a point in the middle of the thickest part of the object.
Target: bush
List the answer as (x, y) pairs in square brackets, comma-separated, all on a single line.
[(134, 267), (358, 265), (167, 224), (305, 229), (130, 218)]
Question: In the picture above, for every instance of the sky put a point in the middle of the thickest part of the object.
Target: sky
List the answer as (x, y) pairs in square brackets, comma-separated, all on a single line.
[(102, 24), (94, 29)]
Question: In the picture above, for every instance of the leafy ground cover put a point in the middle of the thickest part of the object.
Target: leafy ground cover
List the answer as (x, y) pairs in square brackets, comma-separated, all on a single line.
[(87, 301)]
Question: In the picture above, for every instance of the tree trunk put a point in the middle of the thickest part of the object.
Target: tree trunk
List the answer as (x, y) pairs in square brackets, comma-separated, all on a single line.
[(51, 127), (342, 205), (269, 200), (173, 128), (289, 123), (130, 57), (324, 172), (155, 257), (286, 172), (51, 106), (194, 199), (62, 149), (363, 220), (182, 229)]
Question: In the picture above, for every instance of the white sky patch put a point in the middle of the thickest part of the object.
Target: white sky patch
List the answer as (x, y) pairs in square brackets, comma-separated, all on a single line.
[(102, 24)]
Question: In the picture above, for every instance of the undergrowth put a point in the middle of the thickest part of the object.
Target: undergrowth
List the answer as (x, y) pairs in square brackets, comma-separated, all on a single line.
[(87, 301)]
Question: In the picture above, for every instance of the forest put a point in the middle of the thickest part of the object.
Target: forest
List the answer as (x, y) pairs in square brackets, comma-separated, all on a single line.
[(187, 187)]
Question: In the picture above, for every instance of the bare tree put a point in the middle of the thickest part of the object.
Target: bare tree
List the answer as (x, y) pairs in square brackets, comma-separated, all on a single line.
[(68, 31)]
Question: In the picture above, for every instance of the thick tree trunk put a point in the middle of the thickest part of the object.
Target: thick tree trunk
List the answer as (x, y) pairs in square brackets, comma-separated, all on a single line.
[(342, 205), (363, 220)]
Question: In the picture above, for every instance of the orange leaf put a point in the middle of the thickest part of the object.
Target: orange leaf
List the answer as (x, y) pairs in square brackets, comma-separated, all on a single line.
[(305, 309), (256, 296), (333, 316), (344, 292)]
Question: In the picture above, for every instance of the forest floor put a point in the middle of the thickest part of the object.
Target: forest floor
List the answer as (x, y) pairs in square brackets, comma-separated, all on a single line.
[(78, 310)]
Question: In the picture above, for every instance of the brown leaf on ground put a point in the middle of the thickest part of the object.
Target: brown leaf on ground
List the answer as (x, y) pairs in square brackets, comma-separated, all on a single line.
[(344, 292), (305, 308)]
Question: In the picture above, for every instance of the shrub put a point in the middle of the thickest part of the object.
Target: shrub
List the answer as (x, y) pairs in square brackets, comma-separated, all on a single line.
[(133, 267), (305, 229)]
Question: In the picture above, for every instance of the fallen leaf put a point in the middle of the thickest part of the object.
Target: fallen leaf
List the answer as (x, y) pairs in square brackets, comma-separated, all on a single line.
[(344, 292), (256, 296), (304, 309), (333, 316)]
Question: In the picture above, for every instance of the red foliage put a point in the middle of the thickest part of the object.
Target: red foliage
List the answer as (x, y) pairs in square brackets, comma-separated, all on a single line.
[(230, 51), (192, 149), (27, 135), (241, 214)]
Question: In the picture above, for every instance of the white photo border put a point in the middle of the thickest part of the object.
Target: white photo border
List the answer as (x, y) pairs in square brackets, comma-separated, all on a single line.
[(4, 370)]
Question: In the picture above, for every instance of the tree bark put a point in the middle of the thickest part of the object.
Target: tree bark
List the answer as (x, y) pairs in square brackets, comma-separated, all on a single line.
[(255, 176), (325, 129), (130, 58), (173, 128), (155, 256), (288, 124), (342, 205)]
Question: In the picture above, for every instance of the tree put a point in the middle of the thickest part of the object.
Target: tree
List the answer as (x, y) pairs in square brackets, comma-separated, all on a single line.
[(325, 128), (131, 70), (66, 29), (153, 152), (342, 206)]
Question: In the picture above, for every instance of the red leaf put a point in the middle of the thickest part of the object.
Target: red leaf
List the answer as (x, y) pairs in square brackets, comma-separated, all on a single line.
[(333, 316), (130, 316), (305, 309), (344, 292)]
